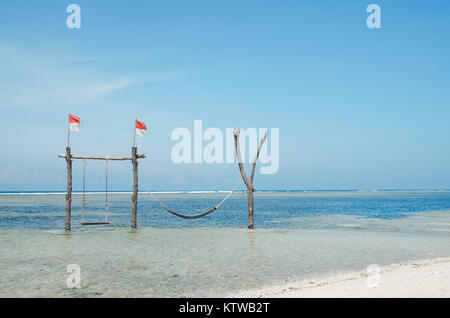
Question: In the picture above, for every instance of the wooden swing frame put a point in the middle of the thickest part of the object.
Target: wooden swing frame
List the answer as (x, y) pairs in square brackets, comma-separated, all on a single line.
[(133, 158)]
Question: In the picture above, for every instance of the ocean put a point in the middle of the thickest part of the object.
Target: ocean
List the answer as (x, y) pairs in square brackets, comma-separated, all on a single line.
[(299, 235)]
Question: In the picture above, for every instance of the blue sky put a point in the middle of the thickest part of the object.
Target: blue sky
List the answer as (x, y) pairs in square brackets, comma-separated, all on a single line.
[(356, 107)]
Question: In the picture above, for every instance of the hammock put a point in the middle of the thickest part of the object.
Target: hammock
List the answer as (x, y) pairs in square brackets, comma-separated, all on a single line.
[(195, 216)]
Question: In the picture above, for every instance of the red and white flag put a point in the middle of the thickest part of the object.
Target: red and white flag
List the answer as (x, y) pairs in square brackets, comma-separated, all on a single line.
[(140, 128), (74, 123)]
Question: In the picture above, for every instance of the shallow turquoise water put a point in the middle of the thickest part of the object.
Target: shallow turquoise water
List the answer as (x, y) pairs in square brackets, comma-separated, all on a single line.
[(298, 236), (273, 209)]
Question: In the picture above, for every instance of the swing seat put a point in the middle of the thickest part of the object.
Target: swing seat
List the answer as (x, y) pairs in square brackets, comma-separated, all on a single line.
[(95, 223)]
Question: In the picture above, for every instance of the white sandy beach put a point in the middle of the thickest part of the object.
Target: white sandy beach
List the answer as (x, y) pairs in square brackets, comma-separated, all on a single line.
[(425, 278)]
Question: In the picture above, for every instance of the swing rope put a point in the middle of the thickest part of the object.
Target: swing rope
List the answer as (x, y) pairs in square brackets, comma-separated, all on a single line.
[(83, 198), (195, 216), (106, 191)]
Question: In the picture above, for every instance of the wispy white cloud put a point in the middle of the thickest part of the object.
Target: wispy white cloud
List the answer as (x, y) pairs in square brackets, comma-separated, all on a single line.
[(85, 90), (29, 78), (100, 89)]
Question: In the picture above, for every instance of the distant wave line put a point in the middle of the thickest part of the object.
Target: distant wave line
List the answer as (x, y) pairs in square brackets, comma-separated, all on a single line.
[(10, 193)]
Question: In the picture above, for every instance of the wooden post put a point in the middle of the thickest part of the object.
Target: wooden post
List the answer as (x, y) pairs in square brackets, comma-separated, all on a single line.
[(135, 188), (251, 224), (69, 188)]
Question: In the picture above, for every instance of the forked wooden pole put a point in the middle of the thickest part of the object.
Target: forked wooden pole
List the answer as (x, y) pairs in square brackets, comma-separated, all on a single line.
[(248, 181)]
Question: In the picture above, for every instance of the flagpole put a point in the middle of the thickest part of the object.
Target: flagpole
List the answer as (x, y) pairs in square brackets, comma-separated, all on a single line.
[(134, 137), (68, 132)]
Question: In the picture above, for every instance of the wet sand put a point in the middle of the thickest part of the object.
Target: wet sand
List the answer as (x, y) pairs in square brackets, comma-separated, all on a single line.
[(425, 278)]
